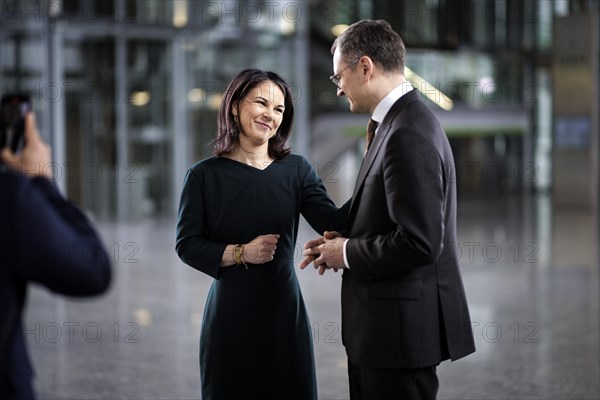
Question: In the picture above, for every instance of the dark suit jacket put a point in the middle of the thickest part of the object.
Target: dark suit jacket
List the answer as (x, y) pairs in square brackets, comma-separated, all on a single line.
[(403, 302), (43, 239)]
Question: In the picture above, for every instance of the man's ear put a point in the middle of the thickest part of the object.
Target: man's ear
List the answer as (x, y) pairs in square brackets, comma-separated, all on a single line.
[(366, 65)]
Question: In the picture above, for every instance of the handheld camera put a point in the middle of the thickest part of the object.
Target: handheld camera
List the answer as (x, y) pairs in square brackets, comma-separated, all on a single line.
[(13, 109)]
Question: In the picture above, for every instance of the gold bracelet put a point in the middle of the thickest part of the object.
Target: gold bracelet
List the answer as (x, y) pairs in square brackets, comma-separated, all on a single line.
[(238, 254)]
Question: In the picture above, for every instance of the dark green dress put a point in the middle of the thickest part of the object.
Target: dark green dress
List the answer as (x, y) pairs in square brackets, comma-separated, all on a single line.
[(256, 340)]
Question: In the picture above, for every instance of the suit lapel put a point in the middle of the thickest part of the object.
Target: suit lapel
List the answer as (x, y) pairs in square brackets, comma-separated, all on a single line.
[(378, 140)]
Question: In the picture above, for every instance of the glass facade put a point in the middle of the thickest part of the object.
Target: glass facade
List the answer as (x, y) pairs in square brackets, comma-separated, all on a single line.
[(126, 91), (486, 60)]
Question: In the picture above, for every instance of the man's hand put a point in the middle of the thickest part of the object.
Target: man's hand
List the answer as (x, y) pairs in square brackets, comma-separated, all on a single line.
[(34, 160), (325, 252)]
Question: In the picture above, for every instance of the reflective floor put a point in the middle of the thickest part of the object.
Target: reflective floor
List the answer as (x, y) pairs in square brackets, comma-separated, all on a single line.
[(530, 271)]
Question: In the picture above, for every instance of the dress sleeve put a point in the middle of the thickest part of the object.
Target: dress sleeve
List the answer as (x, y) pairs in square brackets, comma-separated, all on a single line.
[(193, 244), (56, 244), (316, 206)]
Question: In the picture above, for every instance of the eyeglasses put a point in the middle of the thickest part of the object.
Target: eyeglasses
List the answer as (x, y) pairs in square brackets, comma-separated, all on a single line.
[(335, 79)]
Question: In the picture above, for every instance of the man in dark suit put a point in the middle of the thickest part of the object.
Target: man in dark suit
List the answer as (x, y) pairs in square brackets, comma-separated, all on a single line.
[(404, 308), (43, 239)]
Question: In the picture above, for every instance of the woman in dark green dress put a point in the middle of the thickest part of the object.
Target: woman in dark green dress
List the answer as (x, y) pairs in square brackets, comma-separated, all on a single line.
[(238, 223)]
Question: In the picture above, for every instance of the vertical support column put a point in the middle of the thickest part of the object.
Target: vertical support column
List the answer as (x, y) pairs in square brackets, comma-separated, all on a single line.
[(179, 156), (303, 132), (2, 44), (594, 107), (55, 93), (575, 155), (576, 171), (122, 101)]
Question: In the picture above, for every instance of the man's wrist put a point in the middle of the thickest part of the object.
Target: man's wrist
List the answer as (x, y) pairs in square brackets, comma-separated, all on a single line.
[(345, 254)]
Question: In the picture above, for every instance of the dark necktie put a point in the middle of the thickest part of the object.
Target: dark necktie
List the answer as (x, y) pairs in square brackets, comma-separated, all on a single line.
[(370, 133)]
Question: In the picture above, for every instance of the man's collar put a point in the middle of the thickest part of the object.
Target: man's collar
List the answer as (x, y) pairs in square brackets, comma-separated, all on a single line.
[(388, 101)]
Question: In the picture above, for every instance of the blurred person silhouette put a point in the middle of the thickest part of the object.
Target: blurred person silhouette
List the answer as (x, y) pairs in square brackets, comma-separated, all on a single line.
[(404, 308), (238, 223), (44, 239)]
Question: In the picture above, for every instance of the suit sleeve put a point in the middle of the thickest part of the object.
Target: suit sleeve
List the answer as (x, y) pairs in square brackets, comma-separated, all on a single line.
[(413, 181), (315, 205), (193, 244), (56, 244)]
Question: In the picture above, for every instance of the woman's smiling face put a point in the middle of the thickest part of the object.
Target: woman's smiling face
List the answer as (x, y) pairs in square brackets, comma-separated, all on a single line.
[(260, 113)]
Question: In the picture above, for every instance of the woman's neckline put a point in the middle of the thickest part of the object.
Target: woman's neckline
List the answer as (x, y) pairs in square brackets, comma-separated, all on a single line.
[(250, 165)]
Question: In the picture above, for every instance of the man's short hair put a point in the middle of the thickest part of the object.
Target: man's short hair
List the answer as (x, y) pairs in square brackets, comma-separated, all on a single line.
[(373, 38)]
